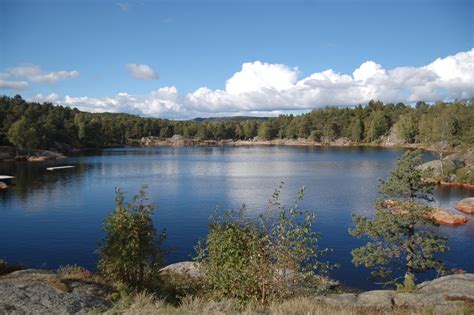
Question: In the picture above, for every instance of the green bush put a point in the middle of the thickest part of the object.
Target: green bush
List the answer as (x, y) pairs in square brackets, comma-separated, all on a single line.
[(131, 252), (465, 175), (257, 261)]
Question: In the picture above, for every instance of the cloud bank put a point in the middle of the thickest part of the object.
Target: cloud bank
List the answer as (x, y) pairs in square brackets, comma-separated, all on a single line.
[(260, 88), (141, 72)]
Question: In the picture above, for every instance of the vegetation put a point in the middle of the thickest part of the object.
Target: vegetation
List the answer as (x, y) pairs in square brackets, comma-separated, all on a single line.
[(144, 303), (44, 126), (131, 252), (400, 239), (262, 260), (6, 267)]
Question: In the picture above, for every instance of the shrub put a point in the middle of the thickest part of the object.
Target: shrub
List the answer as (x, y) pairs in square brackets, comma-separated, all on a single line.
[(6, 267), (256, 261), (131, 252)]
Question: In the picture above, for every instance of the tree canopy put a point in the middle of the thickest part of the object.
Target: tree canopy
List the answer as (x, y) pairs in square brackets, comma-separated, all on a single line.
[(59, 127)]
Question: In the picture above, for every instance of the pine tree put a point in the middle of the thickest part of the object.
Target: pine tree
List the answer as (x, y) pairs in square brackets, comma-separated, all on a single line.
[(399, 238)]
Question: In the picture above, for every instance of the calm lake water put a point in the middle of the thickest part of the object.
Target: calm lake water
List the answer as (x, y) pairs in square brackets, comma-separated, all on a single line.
[(54, 218)]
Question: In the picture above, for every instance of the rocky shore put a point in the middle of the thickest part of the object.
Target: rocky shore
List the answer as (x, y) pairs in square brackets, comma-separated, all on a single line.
[(34, 291), (10, 154)]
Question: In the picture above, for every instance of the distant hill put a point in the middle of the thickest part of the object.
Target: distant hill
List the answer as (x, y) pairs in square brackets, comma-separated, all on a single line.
[(232, 118)]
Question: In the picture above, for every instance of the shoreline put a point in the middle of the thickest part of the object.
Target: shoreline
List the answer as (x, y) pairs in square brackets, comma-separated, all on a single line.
[(339, 143)]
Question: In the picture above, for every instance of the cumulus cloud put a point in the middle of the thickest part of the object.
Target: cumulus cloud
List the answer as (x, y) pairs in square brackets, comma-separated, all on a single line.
[(141, 71), (260, 88), (34, 73)]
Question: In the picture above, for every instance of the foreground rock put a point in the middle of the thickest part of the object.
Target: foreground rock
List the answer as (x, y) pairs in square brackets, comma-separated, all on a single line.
[(34, 291), (466, 205), (3, 185), (444, 295)]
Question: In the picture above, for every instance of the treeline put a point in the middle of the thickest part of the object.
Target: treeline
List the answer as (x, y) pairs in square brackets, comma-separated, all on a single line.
[(44, 126)]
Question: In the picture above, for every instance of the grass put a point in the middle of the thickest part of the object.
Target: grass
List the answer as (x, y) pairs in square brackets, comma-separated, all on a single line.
[(143, 303)]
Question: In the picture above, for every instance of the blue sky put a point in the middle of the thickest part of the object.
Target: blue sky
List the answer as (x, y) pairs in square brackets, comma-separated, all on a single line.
[(190, 45)]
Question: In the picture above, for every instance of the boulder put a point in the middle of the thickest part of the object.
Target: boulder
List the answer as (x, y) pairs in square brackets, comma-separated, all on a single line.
[(445, 217), (466, 205), (447, 294), (3, 185), (438, 215), (189, 268), (34, 291)]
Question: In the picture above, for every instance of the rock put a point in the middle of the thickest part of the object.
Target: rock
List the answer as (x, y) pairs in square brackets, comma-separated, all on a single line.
[(44, 155), (458, 284), (377, 299), (189, 268), (438, 215), (445, 217), (443, 295), (466, 205), (3, 185), (393, 138), (34, 291)]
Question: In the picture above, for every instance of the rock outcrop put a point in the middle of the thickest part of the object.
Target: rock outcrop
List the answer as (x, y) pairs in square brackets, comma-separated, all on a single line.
[(438, 215), (34, 291), (444, 217), (456, 169), (12, 154), (466, 205), (443, 295)]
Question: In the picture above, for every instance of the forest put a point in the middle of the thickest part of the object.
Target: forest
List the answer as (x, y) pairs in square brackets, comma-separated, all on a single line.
[(30, 125)]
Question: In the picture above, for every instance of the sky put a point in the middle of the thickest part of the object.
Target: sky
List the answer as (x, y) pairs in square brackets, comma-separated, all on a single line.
[(184, 59)]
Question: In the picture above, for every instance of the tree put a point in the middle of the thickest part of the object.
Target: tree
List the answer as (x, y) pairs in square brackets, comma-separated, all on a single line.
[(399, 240), (378, 125), (131, 252), (22, 135), (266, 131), (357, 130), (407, 127)]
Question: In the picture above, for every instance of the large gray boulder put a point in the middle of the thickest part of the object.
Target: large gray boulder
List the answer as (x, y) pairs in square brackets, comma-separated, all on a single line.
[(44, 292), (443, 295)]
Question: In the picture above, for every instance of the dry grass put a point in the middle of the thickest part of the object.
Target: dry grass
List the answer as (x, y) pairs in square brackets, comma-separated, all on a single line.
[(144, 303)]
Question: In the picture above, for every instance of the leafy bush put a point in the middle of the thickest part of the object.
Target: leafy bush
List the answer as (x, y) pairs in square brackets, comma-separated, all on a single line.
[(131, 252), (256, 261)]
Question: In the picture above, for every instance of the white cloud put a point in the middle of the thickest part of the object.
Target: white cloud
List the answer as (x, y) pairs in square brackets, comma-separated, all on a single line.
[(35, 74), (141, 71), (123, 6), (270, 89), (12, 85)]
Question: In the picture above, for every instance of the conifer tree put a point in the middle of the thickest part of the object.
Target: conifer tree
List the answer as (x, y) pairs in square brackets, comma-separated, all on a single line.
[(400, 240)]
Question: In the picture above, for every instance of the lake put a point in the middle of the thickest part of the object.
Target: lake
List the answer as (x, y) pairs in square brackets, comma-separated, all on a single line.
[(53, 218)]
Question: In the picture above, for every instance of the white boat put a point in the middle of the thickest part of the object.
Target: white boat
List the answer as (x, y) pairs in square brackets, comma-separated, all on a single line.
[(59, 167)]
